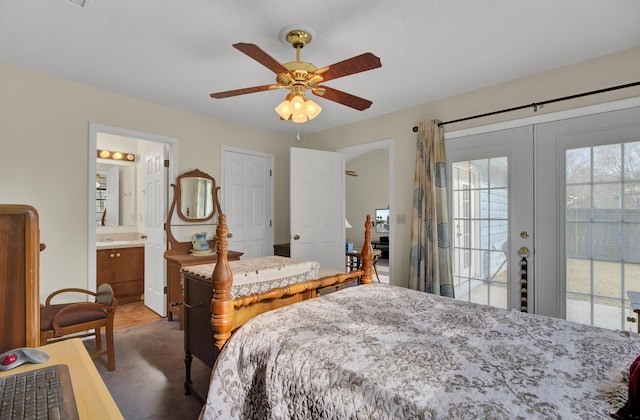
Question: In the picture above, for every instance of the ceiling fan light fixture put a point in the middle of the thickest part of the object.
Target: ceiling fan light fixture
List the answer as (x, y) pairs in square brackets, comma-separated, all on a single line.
[(299, 118), (312, 109), (284, 109), (297, 105), (298, 109)]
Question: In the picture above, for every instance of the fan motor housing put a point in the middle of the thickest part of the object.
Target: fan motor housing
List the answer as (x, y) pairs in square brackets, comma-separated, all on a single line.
[(298, 38)]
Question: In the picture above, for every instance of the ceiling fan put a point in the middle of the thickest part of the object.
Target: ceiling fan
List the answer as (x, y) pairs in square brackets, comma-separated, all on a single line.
[(299, 76)]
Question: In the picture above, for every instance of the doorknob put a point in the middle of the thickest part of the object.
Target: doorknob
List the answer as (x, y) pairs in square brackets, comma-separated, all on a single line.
[(296, 237), (229, 235)]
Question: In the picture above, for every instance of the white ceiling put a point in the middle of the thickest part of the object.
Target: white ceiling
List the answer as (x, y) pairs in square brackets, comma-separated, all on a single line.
[(177, 52)]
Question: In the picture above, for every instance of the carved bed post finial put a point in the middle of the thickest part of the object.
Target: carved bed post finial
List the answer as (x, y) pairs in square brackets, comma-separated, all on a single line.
[(222, 279), (367, 253)]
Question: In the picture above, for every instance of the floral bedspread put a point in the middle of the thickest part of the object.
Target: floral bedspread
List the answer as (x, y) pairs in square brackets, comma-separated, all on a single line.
[(379, 352)]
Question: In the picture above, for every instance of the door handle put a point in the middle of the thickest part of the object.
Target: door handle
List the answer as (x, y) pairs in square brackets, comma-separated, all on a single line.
[(229, 235), (186, 305), (296, 237)]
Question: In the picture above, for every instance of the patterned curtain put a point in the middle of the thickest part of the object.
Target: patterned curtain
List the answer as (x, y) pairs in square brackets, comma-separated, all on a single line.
[(430, 269)]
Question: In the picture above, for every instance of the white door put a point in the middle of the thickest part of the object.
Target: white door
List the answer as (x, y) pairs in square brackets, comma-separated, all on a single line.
[(317, 207), (589, 222), (248, 201), (155, 217), (491, 198)]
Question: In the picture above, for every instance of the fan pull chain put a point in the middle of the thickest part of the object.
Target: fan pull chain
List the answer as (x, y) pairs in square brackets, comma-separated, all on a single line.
[(524, 290), (298, 136)]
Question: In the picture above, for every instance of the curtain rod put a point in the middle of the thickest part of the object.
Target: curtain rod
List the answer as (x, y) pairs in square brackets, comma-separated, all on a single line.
[(536, 105)]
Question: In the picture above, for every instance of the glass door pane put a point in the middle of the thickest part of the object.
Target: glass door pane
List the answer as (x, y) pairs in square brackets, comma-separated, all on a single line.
[(480, 220), (602, 227)]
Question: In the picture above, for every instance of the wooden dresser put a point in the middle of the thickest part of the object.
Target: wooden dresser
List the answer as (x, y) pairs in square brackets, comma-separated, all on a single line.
[(176, 261), (19, 277), (192, 213)]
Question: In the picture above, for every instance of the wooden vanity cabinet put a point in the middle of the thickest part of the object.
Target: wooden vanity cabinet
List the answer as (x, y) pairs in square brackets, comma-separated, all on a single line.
[(123, 269)]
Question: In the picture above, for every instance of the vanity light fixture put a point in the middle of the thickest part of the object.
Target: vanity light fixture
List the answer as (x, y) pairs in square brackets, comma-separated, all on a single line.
[(108, 154)]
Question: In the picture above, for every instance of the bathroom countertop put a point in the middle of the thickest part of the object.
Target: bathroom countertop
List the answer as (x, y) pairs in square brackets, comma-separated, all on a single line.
[(119, 244)]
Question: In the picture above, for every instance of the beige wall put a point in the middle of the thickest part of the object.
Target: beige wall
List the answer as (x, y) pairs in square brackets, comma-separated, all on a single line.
[(44, 130), (612, 70), (44, 138)]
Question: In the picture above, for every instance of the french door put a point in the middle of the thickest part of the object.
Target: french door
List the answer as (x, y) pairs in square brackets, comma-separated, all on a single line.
[(568, 192), (492, 214), (589, 223)]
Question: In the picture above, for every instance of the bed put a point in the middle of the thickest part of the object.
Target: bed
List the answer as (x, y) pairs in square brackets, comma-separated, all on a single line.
[(379, 351), (215, 297)]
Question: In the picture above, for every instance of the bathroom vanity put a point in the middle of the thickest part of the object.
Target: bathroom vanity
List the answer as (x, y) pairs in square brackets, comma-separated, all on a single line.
[(121, 264)]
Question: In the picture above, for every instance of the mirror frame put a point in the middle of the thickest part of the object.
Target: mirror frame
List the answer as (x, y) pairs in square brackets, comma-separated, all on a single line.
[(196, 173)]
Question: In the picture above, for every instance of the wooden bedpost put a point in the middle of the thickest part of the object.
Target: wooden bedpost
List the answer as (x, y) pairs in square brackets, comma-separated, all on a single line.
[(367, 253), (222, 279)]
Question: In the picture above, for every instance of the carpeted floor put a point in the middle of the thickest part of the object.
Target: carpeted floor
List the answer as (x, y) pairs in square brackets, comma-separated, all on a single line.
[(148, 382)]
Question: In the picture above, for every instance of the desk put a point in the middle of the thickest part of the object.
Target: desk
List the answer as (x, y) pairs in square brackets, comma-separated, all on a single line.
[(92, 396), (382, 246), (354, 262), (283, 250)]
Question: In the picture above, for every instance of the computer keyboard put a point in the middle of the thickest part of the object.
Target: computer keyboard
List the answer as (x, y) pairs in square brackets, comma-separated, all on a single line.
[(44, 393)]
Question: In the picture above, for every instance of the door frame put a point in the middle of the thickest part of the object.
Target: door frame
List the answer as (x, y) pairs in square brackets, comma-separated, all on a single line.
[(351, 152), (94, 129)]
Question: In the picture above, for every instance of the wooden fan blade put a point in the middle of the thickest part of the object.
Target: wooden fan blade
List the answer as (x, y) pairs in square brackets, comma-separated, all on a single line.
[(255, 52), (360, 63), (236, 92), (343, 98)]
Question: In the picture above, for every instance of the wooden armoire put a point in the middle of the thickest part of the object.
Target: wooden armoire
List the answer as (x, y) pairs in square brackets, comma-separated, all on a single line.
[(19, 277)]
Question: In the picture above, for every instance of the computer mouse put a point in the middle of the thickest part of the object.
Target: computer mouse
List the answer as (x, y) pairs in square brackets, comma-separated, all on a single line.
[(16, 357)]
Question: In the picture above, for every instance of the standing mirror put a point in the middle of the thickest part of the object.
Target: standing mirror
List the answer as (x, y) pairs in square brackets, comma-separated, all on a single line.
[(195, 199), (195, 195)]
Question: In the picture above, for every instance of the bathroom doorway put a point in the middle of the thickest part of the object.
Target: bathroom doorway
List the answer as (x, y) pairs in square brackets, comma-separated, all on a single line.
[(137, 212)]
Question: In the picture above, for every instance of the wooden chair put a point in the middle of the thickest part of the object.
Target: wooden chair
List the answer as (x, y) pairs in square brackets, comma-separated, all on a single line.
[(354, 262), (59, 320)]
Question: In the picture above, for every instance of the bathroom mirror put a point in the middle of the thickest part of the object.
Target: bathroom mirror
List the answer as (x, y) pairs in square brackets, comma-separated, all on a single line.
[(115, 194), (195, 195)]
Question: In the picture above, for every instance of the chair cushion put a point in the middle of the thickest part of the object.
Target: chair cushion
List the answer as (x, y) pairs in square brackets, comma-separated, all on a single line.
[(74, 317)]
